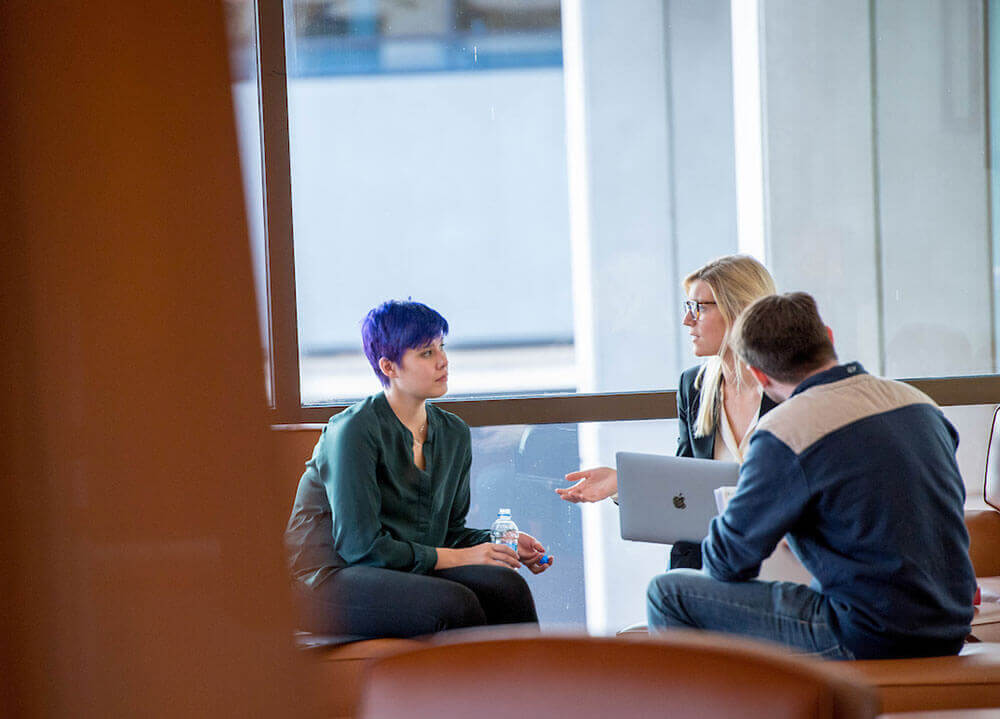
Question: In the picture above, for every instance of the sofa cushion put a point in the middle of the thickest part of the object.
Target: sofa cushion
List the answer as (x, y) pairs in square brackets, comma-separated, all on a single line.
[(337, 672), (969, 680), (984, 541), (986, 623)]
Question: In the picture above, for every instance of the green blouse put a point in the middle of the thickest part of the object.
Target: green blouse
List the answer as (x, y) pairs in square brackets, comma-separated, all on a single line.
[(362, 500)]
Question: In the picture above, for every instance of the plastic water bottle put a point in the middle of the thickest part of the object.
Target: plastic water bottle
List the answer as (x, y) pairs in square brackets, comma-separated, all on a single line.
[(504, 531)]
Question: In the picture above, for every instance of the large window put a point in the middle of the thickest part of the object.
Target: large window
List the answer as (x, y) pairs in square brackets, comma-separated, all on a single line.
[(550, 199)]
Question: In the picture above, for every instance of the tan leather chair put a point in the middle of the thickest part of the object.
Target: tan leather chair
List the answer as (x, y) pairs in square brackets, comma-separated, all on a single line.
[(970, 680), (984, 547), (681, 675)]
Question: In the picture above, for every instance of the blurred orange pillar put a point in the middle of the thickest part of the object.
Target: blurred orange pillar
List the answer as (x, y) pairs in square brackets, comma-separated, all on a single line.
[(141, 559)]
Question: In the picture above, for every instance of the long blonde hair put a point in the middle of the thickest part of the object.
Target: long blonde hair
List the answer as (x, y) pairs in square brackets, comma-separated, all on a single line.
[(736, 281)]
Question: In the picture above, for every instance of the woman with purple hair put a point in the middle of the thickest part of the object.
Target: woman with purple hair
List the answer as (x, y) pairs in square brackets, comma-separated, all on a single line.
[(377, 538)]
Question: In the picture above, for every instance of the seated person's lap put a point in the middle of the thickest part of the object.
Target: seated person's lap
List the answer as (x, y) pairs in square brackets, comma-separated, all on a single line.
[(786, 612), (366, 601)]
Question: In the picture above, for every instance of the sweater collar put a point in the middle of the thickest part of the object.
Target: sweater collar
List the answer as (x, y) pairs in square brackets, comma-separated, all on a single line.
[(385, 409), (834, 374)]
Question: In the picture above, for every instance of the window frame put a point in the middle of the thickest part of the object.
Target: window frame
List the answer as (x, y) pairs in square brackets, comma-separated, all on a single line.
[(287, 408)]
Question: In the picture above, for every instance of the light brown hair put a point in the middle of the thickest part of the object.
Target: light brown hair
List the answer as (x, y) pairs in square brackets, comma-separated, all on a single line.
[(783, 336)]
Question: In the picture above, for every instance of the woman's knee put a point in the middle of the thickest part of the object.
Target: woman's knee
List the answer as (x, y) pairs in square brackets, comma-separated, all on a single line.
[(510, 600), (503, 594), (456, 606), (508, 582)]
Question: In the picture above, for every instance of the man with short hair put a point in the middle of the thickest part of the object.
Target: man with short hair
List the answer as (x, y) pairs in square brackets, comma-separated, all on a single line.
[(859, 473)]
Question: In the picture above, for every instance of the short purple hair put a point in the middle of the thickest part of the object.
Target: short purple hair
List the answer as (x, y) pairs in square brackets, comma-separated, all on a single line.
[(396, 326)]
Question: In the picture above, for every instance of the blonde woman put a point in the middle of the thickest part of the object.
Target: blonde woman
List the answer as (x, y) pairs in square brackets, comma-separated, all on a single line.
[(719, 401)]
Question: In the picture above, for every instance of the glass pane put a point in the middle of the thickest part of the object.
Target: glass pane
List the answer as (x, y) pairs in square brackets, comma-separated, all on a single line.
[(519, 467), (242, 28), (598, 580), (428, 160)]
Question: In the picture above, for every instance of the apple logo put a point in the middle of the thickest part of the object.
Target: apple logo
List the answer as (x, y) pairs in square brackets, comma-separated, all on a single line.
[(679, 501)]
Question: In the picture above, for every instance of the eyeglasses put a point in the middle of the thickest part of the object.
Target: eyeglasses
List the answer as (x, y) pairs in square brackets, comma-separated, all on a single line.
[(693, 308)]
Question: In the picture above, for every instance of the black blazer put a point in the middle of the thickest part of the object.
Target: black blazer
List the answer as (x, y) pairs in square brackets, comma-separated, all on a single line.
[(688, 400)]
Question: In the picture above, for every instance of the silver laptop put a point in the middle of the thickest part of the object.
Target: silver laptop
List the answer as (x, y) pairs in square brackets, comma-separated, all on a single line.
[(668, 499)]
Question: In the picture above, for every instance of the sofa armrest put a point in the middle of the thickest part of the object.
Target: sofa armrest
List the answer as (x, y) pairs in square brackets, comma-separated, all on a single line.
[(984, 541)]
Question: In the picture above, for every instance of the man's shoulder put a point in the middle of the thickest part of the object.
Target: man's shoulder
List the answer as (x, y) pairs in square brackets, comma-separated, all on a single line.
[(805, 418)]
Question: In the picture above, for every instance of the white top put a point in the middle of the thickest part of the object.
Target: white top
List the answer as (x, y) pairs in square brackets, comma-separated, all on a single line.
[(727, 448), (782, 565)]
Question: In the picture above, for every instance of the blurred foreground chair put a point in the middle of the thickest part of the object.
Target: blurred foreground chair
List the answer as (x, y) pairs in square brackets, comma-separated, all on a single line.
[(684, 675)]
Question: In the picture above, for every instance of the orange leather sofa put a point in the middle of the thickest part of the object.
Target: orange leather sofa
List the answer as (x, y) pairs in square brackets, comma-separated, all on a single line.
[(970, 680)]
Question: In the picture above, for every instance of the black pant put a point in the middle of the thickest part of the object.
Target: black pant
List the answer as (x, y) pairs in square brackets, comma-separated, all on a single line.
[(369, 602), (685, 555)]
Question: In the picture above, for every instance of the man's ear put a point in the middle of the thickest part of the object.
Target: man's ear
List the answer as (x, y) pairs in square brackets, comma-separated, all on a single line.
[(829, 332), (762, 378), (387, 366)]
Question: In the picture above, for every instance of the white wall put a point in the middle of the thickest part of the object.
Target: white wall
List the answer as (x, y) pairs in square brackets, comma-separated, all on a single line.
[(875, 176), (818, 158), (933, 187), (651, 153), (450, 187)]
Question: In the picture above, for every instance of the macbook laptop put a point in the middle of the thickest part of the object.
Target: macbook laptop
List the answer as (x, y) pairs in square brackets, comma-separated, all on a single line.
[(668, 499)]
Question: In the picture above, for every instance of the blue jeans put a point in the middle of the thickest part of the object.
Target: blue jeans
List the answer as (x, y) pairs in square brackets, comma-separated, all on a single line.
[(784, 612)]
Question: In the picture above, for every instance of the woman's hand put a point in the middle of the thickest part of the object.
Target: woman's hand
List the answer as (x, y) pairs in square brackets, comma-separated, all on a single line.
[(485, 553), (592, 485), (530, 552)]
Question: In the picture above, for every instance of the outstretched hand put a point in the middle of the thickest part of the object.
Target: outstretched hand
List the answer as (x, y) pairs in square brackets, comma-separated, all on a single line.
[(592, 485)]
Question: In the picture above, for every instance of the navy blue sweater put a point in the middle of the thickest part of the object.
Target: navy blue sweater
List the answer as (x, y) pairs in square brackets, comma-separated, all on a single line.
[(859, 472)]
